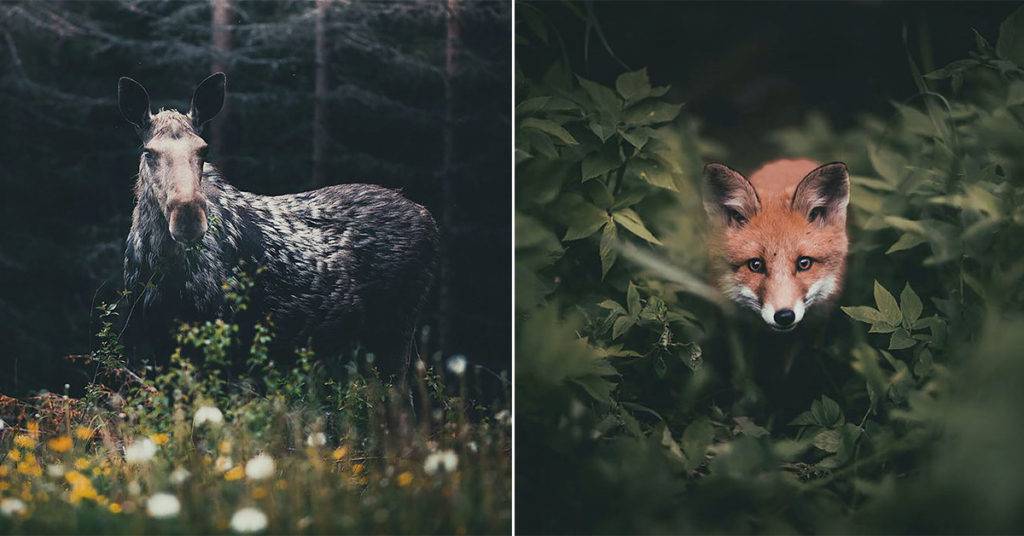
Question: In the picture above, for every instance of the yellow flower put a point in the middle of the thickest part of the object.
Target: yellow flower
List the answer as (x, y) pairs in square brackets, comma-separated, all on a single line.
[(357, 468), (84, 433), (115, 508), (60, 444), (24, 441), (14, 455), (81, 464), (81, 487), (159, 439), (339, 453), (96, 471), (29, 466), (4, 486), (404, 479), (4, 471), (259, 493), (224, 447), (235, 473), (33, 429)]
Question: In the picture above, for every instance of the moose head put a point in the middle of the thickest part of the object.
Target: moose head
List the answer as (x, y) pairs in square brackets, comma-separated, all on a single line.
[(174, 152)]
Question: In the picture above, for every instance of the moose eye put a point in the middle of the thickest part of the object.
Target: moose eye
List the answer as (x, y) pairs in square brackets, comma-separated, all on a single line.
[(756, 265), (804, 263), (148, 155)]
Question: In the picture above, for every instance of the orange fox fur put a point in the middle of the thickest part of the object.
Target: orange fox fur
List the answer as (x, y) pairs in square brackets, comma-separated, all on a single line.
[(778, 242)]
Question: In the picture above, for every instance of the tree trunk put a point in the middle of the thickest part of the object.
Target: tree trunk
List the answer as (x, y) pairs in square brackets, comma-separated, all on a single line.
[(448, 178), (320, 95), (221, 43)]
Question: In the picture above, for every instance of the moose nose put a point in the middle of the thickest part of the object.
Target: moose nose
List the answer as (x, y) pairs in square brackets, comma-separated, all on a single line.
[(785, 317), (187, 223)]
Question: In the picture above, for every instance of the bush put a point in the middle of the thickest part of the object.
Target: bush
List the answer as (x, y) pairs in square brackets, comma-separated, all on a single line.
[(646, 404)]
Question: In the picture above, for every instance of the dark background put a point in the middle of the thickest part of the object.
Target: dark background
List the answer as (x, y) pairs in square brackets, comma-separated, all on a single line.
[(746, 68), (68, 160)]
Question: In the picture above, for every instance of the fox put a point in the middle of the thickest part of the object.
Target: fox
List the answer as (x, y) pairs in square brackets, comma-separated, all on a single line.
[(778, 241)]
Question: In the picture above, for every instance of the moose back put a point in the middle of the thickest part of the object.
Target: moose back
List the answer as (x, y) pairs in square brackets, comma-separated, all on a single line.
[(339, 265)]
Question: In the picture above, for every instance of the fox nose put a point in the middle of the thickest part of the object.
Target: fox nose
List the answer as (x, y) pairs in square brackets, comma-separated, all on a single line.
[(785, 317)]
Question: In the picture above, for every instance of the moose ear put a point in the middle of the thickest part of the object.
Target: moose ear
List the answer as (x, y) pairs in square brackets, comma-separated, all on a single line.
[(133, 101), (824, 194), (728, 196), (208, 99)]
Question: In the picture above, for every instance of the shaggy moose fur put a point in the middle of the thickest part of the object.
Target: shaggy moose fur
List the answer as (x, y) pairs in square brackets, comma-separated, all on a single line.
[(338, 265)]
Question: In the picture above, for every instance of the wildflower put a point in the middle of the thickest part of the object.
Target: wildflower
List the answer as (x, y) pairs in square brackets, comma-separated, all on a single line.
[(33, 429), (457, 364), (235, 473), (24, 441), (357, 468), (223, 463), (4, 471), (11, 507), (207, 414), (140, 451), (472, 446), (29, 466), (14, 455), (260, 467), (60, 444), (317, 439), (224, 447), (339, 453), (248, 520), (179, 476), (81, 464), (503, 417), (163, 505), (259, 493), (55, 470), (404, 479), (134, 488), (115, 508), (159, 439), (444, 460), (84, 433)]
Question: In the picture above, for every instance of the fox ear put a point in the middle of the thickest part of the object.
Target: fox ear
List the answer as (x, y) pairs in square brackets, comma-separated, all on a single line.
[(728, 196), (824, 194)]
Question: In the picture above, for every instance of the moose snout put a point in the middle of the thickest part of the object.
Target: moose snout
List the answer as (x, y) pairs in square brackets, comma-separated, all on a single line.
[(187, 221)]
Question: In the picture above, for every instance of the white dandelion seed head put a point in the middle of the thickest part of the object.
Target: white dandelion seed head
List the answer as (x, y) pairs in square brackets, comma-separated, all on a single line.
[(163, 505), (260, 467), (223, 463), (55, 470), (317, 439), (472, 447), (457, 364), (249, 520), (442, 461), (179, 475), (134, 488), (140, 451), (12, 506), (208, 414)]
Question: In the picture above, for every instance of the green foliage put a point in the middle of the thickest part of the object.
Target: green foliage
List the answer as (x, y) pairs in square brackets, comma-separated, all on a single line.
[(647, 401)]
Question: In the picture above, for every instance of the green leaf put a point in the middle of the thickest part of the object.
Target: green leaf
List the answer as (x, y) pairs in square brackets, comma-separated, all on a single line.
[(887, 305), (601, 162), (629, 219), (826, 412), (1010, 45), (605, 99), (901, 339), (695, 441), (597, 387), (651, 172), (608, 251), (828, 440), (637, 137), (651, 112), (621, 326), (863, 313), (549, 127), (746, 426), (633, 300), (582, 218), (889, 164), (883, 327), (906, 241), (633, 86), (613, 306), (804, 419), (911, 306)]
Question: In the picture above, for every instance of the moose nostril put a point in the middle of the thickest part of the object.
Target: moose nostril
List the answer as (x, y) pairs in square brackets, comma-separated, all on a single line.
[(785, 317)]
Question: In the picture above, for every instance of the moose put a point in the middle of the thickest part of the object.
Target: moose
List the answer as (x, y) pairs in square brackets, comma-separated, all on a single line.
[(341, 265)]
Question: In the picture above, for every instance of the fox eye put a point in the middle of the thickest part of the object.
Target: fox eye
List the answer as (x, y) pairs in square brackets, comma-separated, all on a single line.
[(756, 265), (736, 217), (803, 264)]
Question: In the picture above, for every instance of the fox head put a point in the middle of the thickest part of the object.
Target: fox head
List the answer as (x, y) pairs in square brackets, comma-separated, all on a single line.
[(778, 241)]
